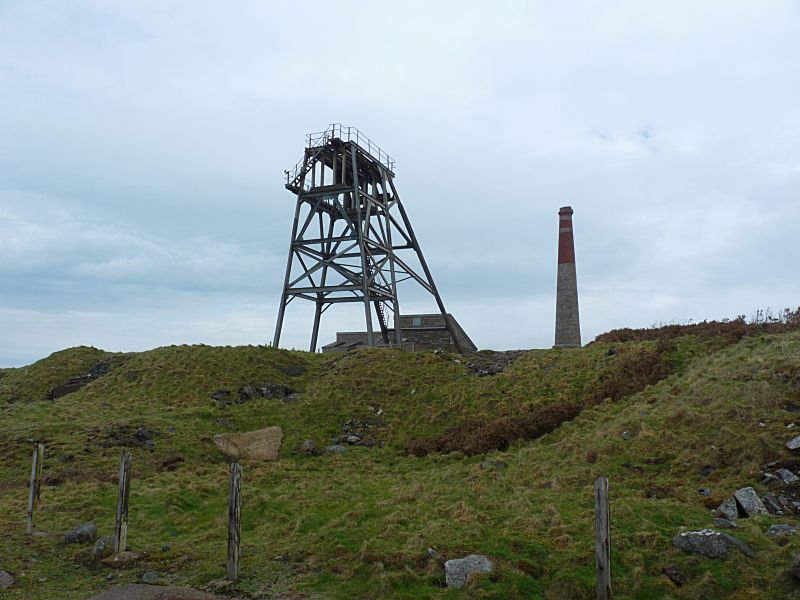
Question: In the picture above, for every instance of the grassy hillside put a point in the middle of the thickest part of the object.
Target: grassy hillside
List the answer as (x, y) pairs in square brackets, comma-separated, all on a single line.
[(661, 418)]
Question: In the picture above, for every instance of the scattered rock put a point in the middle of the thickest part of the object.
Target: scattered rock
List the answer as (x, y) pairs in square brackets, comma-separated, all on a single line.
[(294, 370), (727, 510), (432, 553), (228, 424), (748, 502), (264, 390), (493, 464), (674, 574), (724, 523), (458, 570), (81, 534), (794, 443), (103, 547), (125, 436), (309, 448), (710, 543), (260, 445), (6, 580), (794, 570), (772, 505), (360, 433), (704, 491), (770, 479), (62, 390), (76, 382), (487, 362), (781, 529), (144, 436), (625, 435), (335, 449), (151, 577), (221, 396), (786, 475)]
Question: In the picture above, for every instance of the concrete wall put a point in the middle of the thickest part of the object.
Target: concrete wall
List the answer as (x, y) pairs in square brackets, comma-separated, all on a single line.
[(420, 332)]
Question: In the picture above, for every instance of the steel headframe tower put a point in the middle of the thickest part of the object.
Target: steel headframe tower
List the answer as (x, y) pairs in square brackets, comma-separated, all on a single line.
[(349, 226)]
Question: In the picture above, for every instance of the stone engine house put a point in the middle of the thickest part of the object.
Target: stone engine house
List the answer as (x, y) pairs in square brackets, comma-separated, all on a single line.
[(418, 332)]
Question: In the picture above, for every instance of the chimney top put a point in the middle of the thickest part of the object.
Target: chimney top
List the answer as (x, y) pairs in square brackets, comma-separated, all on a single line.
[(565, 210)]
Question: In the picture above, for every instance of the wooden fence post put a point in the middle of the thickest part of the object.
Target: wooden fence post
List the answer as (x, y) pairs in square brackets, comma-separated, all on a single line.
[(35, 486), (602, 529), (234, 516), (121, 524)]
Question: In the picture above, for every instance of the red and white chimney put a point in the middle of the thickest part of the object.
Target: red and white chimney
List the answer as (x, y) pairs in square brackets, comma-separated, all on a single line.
[(568, 328)]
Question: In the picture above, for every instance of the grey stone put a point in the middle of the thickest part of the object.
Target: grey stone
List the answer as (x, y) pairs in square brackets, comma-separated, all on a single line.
[(727, 510), (151, 577), (724, 523), (103, 547), (710, 543), (493, 464), (228, 424), (770, 479), (81, 534), (458, 570), (335, 449), (786, 475), (772, 504), (749, 503), (221, 394), (352, 439), (794, 443), (675, 575), (6, 580), (309, 448), (704, 492), (432, 553), (781, 529), (294, 370)]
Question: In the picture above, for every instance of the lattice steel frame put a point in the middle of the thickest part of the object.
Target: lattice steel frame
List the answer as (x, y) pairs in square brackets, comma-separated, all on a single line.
[(347, 234)]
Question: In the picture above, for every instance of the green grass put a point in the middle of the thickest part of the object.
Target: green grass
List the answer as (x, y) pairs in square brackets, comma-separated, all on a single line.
[(359, 525)]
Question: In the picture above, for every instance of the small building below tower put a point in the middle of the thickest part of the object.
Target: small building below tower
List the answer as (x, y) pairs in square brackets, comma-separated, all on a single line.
[(419, 332)]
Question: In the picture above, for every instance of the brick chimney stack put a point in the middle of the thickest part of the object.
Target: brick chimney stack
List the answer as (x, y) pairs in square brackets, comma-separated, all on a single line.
[(568, 328)]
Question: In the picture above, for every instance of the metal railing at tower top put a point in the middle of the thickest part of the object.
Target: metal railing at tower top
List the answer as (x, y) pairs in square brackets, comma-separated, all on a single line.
[(349, 134), (346, 134)]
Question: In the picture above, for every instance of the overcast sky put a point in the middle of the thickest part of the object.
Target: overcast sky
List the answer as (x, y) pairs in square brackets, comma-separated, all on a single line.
[(142, 149)]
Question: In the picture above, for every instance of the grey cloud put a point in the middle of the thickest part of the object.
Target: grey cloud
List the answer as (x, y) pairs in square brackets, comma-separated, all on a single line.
[(142, 148)]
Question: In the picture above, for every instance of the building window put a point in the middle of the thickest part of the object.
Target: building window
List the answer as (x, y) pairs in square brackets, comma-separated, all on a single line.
[(416, 322)]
